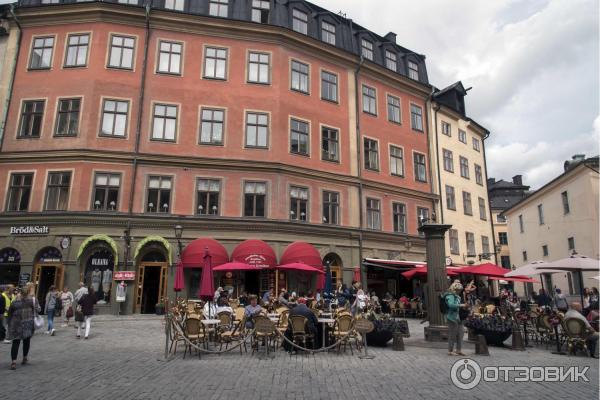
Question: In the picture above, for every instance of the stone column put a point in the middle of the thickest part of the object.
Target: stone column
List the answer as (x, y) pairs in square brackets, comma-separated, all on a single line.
[(437, 280)]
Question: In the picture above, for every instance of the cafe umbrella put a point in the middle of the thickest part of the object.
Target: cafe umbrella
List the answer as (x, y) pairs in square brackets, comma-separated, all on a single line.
[(207, 287), (575, 263), (178, 285)]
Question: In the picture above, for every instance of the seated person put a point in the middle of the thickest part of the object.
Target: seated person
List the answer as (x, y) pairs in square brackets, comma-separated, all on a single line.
[(243, 299), (223, 304), (209, 310), (252, 310), (404, 300), (592, 339), (311, 325), (283, 298)]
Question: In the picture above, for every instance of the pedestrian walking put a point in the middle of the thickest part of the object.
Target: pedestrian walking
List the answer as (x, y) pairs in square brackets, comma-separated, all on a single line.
[(20, 322), (53, 307), (86, 307), (80, 292), (455, 325), (5, 294), (67, 299)]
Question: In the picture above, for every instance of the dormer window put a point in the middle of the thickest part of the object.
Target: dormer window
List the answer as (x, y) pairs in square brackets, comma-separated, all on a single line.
[(300, 21), (413, 70), (391, 60), (260, 11), (367, 49), (328, 33), (218, 8)]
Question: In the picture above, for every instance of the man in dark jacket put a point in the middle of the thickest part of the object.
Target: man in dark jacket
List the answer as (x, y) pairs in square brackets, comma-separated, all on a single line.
[(311, 325)]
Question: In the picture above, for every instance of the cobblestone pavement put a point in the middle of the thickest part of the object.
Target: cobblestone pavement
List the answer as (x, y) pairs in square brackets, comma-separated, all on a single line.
[(123, 360)]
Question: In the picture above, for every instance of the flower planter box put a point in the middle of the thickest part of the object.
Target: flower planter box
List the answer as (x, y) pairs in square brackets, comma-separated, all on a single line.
[(159, 309), (379, 338), (493, 338)]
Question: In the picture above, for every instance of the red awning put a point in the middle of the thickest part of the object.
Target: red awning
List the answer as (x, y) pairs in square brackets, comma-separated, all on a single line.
[(254, 252), (422, 271), (299, 267), (301, 252), (234, 266), (488, 269), (514, 279), (193, 254)]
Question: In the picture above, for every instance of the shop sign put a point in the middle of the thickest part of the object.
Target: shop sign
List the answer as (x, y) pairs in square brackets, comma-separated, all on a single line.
[(100, 262), (24, 278), (50, 260), (257, 260), (363, 325), (124, 276), (30, 230)]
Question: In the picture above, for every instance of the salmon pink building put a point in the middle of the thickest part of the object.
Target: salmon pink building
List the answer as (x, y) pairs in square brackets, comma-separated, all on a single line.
[(254, 123)]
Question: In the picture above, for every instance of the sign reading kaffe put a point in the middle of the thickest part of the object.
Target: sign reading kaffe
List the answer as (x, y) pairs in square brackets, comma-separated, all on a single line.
[(30, 230)]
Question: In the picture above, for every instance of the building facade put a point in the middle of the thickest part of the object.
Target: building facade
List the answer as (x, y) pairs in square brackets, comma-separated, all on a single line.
[(556, 220), (459, 150), (503, 195), (235, 120)]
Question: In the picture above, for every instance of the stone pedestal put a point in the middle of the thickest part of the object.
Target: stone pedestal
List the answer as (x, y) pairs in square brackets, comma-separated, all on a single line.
[(437, 281)]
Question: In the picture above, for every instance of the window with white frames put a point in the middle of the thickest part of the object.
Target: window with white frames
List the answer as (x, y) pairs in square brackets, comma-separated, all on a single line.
[(413, 70), (462, 136), (299, 76), (300, 21), (121, 52), (169, 57), (328, 32), (454, 246), (464, 167), (366, 49), (158, 198), (467, 206), (299, 133), (478, 175), (422, 217), (419, 167), (450, 198), (218, 8), (476, 144), (482, 212), (399, 215), (255, 194), (259, 67), (330, 144), (215, 63), (57, 191), (257, 129), (50, 1), (331, 207), (260, 11), (329, 86), (369, 100), (416, 118), (391, 60), (106, 191), (164, 122), (446, 129), (175, 4), (485, 245), (77, 50), (448, 160), (32, 115), (470, 243), (373, 214), (298, 203), (41, 53), (114, 118), (565, 202), (396, 161), (371, 154), (503, 238), (393, 104), (19, 191), (211, 126), (207, 196)]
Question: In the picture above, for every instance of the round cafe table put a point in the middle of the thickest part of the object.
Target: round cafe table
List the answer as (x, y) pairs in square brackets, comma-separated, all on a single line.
[(324, 322), (209, 323)]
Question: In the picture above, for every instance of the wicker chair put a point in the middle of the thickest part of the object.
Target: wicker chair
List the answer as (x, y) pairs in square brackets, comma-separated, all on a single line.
[(176, 337), (300, 334), (237, 333), (414, 308), (343, 331), (576, 333), (265, 330), (195, 333), (402, 309)]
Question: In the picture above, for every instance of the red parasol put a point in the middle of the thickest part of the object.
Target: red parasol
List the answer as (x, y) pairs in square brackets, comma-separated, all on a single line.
[(488, 269), (207, 286), (299, 267), (178, 286), (356, 275), (320, 281), (422, 271), (235, 266), (514, 279)]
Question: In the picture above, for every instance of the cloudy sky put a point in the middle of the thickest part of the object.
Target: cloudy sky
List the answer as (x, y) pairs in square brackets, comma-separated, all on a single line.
[(533, 66)]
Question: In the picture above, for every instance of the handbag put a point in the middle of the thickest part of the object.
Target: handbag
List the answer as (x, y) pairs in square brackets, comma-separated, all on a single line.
[(69, 313), (38, 321), (79, 314)]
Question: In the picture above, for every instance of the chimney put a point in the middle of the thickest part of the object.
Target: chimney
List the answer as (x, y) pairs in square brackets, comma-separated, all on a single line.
[(491, 181), (391, 36), (576, 159), (518, 180)]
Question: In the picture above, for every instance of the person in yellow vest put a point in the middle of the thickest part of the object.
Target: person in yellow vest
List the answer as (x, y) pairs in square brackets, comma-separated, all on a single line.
[(5, 301)]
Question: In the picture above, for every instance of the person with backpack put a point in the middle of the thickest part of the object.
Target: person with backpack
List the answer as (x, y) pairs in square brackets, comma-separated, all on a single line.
[(53, 307), (86, 304), (450, 304)]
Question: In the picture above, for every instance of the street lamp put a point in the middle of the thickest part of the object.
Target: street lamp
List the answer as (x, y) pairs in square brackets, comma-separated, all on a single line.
[(178, 234)]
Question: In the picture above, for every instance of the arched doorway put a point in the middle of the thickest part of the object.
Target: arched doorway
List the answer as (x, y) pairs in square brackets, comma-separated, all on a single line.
[(152, 277), (98, 257), (336, 266), (48, 270), (10, 266)]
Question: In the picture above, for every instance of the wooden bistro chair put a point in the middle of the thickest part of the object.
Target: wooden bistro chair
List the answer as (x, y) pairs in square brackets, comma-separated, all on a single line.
[(265, 330), (414, 309), (194, 332), (576, 334), (401, 309), (234, 333), (342, 331), (300, 334)]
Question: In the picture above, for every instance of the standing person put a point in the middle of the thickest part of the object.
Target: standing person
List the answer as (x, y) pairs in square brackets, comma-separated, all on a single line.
[(52, 307), (594, 296), (3, 309), (6, 296), (20, 322), (560, 301), (543, 300), (80, 292), (455, 325), (360, 303), (87, 308), (67, 299)]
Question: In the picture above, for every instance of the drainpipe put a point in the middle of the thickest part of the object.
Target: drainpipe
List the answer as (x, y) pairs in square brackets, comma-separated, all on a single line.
[(436, 108), (363, 273), (12, 79), (427, 118), (487, 134), (138, 132)]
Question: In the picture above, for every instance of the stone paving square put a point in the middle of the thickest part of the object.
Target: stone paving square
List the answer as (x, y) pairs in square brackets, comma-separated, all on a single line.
[(123, 359)]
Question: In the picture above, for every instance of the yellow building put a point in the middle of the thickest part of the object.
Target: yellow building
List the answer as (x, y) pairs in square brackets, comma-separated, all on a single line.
[(458, 146)]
